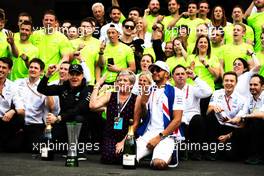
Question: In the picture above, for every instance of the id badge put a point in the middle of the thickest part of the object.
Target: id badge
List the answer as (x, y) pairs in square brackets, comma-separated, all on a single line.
[(118, 124)]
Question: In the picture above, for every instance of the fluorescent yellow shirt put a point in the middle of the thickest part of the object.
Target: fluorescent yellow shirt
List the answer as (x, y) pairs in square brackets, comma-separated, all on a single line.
[(122, 55), (19, 69), (4, 52), (229, 34), (230, 52)]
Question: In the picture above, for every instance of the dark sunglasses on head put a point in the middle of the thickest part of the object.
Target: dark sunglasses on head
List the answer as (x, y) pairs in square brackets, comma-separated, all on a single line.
[(129, 27), (157, 69)]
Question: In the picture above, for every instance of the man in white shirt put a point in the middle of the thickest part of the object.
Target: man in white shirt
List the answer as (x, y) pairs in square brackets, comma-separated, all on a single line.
[(11, 110), (35, 104), (192, 118), (164, 107), (224, 104), (248, 141)]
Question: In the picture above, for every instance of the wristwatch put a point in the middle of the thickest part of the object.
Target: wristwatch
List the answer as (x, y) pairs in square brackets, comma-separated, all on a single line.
[(162, 136)]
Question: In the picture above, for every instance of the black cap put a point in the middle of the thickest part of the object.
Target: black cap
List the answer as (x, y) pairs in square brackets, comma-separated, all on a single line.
[(75, 68)]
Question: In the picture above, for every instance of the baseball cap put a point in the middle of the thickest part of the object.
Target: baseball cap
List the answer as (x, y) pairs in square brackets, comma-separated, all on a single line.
[(161, 65), (116, 27), (75, 68)]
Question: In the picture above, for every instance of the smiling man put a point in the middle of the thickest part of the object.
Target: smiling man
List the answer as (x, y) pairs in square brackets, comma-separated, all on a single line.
[(224, 104), (11, 105), (35, 104), (74, 97), (23, 52)]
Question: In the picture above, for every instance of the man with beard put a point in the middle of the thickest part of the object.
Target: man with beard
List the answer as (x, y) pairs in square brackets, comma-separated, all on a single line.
[(151, 14), (23, 51), (256, 22), (252, 117), (115, 15), (11, 110)]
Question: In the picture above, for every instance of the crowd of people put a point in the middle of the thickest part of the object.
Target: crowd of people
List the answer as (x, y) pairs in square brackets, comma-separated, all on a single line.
[(183, 74)]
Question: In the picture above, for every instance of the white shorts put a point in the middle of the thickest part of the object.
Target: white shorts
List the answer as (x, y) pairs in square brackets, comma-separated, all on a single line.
[(163, 149)]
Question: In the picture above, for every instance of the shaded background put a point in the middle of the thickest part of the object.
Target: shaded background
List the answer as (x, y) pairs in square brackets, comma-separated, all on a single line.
[(75, 10)]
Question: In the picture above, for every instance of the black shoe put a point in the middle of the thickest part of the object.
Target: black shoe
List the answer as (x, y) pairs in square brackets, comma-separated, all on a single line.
[(196, 156), (210, 157), (254, 160), (82, 157)]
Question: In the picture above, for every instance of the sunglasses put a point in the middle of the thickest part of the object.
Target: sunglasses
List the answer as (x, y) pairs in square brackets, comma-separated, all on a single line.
[(129, 27), (155, 69), (237, 64)]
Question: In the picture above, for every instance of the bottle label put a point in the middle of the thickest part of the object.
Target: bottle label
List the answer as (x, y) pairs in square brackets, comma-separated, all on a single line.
[(129, 160), (44, 152)]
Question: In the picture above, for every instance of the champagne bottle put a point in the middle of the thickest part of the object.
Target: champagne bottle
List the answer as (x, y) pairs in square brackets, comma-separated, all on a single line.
[(130, 149), (46, 152)]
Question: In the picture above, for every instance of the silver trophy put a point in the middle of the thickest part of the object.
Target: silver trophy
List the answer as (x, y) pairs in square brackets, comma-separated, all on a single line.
[(73, 129)]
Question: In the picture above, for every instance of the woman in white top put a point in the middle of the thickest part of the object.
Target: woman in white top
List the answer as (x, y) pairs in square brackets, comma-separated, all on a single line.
[(241, 67)]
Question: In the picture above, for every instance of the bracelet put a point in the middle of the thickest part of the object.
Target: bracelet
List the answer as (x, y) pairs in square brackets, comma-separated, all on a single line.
[(14, 110), (195, 77), (207, 66), (251, 53), (101, 53)]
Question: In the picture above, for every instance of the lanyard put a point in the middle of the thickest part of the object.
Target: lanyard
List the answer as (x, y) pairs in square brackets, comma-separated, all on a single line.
[(119, 108), (227, 102), (187, 92)]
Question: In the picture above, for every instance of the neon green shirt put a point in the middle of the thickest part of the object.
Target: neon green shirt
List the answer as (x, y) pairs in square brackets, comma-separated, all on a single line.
[(256, 21), (90, 54), (228, 29), (174, 61), (260, 57), (230, 52), (122, 55), (19, 69), (203, 72), (4, 52), (91, 41), (216, 51), (51, 48), (172, 33), (192, 24), (150, 21)]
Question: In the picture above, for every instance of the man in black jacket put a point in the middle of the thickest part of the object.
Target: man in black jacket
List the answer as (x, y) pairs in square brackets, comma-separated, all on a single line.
[(74, 97)]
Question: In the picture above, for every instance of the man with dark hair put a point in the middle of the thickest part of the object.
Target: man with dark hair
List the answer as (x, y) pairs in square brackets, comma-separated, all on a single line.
[(191, 118), (250, 137), (35, 104), (54, 47), (204, 9), (22, 51), (115, 15), (11, 110), (74, 97), (224, 104)]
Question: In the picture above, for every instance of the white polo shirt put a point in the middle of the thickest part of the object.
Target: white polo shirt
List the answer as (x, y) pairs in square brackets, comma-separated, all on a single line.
[(34, 101), (9, 96), (192, 95), (231, 105), (253, 105)]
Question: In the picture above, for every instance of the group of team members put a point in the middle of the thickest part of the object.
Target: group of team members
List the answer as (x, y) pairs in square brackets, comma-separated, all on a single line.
[(199, 53)]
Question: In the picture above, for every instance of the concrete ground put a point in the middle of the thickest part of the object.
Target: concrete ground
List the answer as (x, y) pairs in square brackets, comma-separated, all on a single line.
[(22, 164)]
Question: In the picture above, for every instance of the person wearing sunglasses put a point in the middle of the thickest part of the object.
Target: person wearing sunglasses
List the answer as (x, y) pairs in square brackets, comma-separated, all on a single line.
[(128, 27)]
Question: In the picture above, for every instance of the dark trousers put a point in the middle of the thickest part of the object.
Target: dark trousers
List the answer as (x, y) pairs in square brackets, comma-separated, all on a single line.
[(248, 141), (33, 136), (215, 129), (11, 134), (196, 129)]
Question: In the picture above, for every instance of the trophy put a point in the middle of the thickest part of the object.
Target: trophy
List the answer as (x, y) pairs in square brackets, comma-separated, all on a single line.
[(73, 130)]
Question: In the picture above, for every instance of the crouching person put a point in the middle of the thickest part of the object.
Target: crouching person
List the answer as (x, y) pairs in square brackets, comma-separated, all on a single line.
[(163, 107), (11, 111), (74, 96)]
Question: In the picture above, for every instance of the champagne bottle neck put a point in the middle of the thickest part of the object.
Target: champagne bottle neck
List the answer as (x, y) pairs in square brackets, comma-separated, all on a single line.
[(130, 131)]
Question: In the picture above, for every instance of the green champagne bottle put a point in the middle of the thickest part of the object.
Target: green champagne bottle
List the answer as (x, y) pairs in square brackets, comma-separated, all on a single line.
[(130, 149)]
